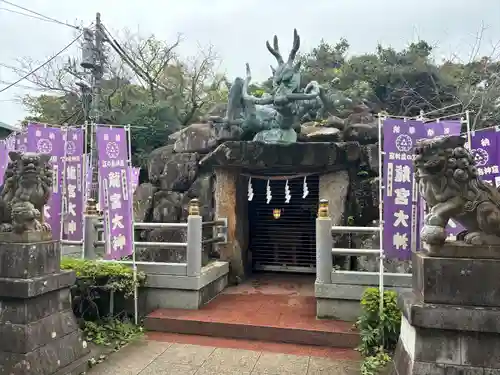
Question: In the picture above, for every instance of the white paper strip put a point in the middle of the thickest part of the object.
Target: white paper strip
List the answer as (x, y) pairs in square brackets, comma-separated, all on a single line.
[(268, 193), (305, 188), (287, 193)]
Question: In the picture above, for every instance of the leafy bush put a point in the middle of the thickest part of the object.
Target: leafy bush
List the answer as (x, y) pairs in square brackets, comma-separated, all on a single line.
[(258, 93), (95, 281), (106, 275), (379, 331), (90, 296), (111, 332), (375, 363)]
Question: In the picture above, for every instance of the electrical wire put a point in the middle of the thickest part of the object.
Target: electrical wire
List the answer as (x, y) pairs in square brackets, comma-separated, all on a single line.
[(77, 112), (35, 15), (139, 71), (123, 54), (41, 66), (25, 87)]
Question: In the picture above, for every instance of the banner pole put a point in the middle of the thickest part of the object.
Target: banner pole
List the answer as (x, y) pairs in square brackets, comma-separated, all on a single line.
[(381, 214), (467, 125), (84, 183), (131, 203), (91, 157), (64, 208)]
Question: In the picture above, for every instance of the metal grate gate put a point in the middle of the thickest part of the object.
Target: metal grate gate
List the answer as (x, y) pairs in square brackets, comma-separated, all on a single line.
[(288, 242)]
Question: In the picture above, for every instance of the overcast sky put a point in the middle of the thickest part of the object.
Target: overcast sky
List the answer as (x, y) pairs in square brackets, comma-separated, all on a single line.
[(238, 29)]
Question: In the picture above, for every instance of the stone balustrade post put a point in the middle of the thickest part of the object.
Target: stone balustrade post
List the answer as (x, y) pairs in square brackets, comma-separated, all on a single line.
[(324, 244), (91, 217), (194, 239)]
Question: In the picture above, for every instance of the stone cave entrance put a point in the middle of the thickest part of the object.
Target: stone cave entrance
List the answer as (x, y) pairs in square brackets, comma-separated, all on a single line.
[(282, 236)]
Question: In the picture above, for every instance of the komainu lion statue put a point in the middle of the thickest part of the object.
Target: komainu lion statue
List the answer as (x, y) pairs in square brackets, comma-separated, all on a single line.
[(448, 181), (26, 190)]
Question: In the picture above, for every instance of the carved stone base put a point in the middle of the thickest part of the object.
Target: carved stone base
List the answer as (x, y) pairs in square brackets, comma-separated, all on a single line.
[(26, 237), (456, 280), (447, 340), (451, 319), (40, 335)]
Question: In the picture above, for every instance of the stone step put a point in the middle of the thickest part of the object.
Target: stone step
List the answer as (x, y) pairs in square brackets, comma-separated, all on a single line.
[(273, 318)]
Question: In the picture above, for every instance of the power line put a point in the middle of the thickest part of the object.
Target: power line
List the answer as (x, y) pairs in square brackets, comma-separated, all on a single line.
[(138, 70), (41, 66), (29, 15), (123, 55), (35, 15), (25, 87)]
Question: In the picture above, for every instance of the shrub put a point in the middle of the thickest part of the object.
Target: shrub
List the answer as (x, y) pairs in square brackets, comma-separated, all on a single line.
[(96, 279), (379, 331)]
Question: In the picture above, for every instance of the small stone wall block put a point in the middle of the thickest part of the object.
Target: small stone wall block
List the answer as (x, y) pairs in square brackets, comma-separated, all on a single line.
[(26, 260)]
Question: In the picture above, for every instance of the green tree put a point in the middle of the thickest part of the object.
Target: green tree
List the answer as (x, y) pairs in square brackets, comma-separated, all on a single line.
[(148, 86), (408, 81)]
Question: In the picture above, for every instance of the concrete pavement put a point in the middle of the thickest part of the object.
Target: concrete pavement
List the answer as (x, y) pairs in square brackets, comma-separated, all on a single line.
[(147, 357)]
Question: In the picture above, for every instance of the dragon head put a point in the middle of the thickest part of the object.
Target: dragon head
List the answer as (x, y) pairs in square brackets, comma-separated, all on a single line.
[(286, 77)]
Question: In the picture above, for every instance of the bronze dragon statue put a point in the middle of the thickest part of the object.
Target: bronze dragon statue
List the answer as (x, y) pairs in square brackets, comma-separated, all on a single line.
[(448, 181), (26, 190), (274, 117)]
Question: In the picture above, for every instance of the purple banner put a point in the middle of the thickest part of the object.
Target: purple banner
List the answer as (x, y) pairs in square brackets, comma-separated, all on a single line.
[(114, 185), (10, 142), (134, 179), (401, 208), (74, 185), (49, 140), (22, 142), (4, 160), (88, 177), (485, 145)]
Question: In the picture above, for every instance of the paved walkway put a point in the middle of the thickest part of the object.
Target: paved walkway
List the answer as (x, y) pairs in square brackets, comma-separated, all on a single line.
[(154, 357)]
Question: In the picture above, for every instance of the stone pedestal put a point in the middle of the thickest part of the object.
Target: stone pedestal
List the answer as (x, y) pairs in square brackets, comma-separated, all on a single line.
[(451, 319), (39, 332)]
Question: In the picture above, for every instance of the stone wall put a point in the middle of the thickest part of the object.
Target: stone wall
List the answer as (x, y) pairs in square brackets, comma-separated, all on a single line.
[(175, 178)]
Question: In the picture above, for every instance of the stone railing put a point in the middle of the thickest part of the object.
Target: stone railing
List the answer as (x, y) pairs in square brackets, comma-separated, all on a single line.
[(338, 292), (169, 285)]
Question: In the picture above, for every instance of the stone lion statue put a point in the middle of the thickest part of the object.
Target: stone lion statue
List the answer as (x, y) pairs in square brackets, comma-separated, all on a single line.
[(448, 181), (26, 190)]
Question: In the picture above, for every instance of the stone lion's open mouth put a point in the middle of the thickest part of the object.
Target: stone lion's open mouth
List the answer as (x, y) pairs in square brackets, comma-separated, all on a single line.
[(432, 163), (433, 166)]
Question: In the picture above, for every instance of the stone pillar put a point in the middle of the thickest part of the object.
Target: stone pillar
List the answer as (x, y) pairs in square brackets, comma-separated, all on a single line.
[(226, 181), (324, 244), (194, 239), (40, 334), (334, 187), (91, 218), (451, 320)]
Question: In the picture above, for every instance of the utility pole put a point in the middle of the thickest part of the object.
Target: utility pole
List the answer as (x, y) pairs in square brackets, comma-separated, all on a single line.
[(93, 58), (98, 71)]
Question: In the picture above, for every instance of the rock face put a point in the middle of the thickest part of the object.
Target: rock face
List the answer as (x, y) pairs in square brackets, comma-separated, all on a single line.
[(300, 156), (175, 177)]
